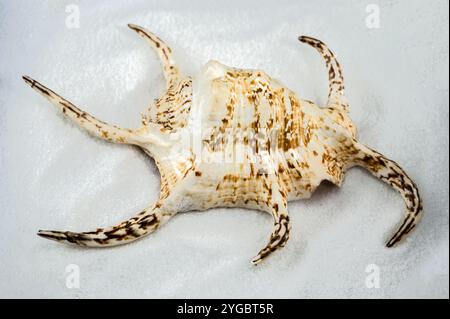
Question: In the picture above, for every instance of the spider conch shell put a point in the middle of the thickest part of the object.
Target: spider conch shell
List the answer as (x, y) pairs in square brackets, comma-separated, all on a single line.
[(237, 138)]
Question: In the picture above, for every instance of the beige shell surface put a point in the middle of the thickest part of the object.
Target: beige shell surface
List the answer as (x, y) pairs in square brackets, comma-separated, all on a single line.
[(233, 137)]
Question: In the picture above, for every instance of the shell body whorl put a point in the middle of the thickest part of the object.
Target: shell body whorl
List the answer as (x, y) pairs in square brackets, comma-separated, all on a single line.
[(244, 125)]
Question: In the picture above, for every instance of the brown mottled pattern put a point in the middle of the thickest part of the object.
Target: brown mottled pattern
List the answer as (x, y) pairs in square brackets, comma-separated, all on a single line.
[(172, 109), (260, 147)]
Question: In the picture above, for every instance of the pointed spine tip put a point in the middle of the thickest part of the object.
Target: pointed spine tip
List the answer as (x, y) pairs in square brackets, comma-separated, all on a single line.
[(42, 233), (306, 39), (27, 79), (133, 26), (391, 243), (51, 234)]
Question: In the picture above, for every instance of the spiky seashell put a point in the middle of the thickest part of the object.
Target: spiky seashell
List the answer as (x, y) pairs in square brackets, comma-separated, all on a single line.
[(237, 138)]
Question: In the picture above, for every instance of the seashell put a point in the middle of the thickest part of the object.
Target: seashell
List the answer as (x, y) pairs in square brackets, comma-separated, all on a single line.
[(237, 138)]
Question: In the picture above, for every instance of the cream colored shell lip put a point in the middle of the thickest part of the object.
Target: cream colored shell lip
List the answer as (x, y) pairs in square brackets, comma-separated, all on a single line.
[(234, 137)]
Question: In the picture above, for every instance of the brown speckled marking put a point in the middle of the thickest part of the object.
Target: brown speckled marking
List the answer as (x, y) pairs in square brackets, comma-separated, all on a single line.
[(391, 173), (288, 146)]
